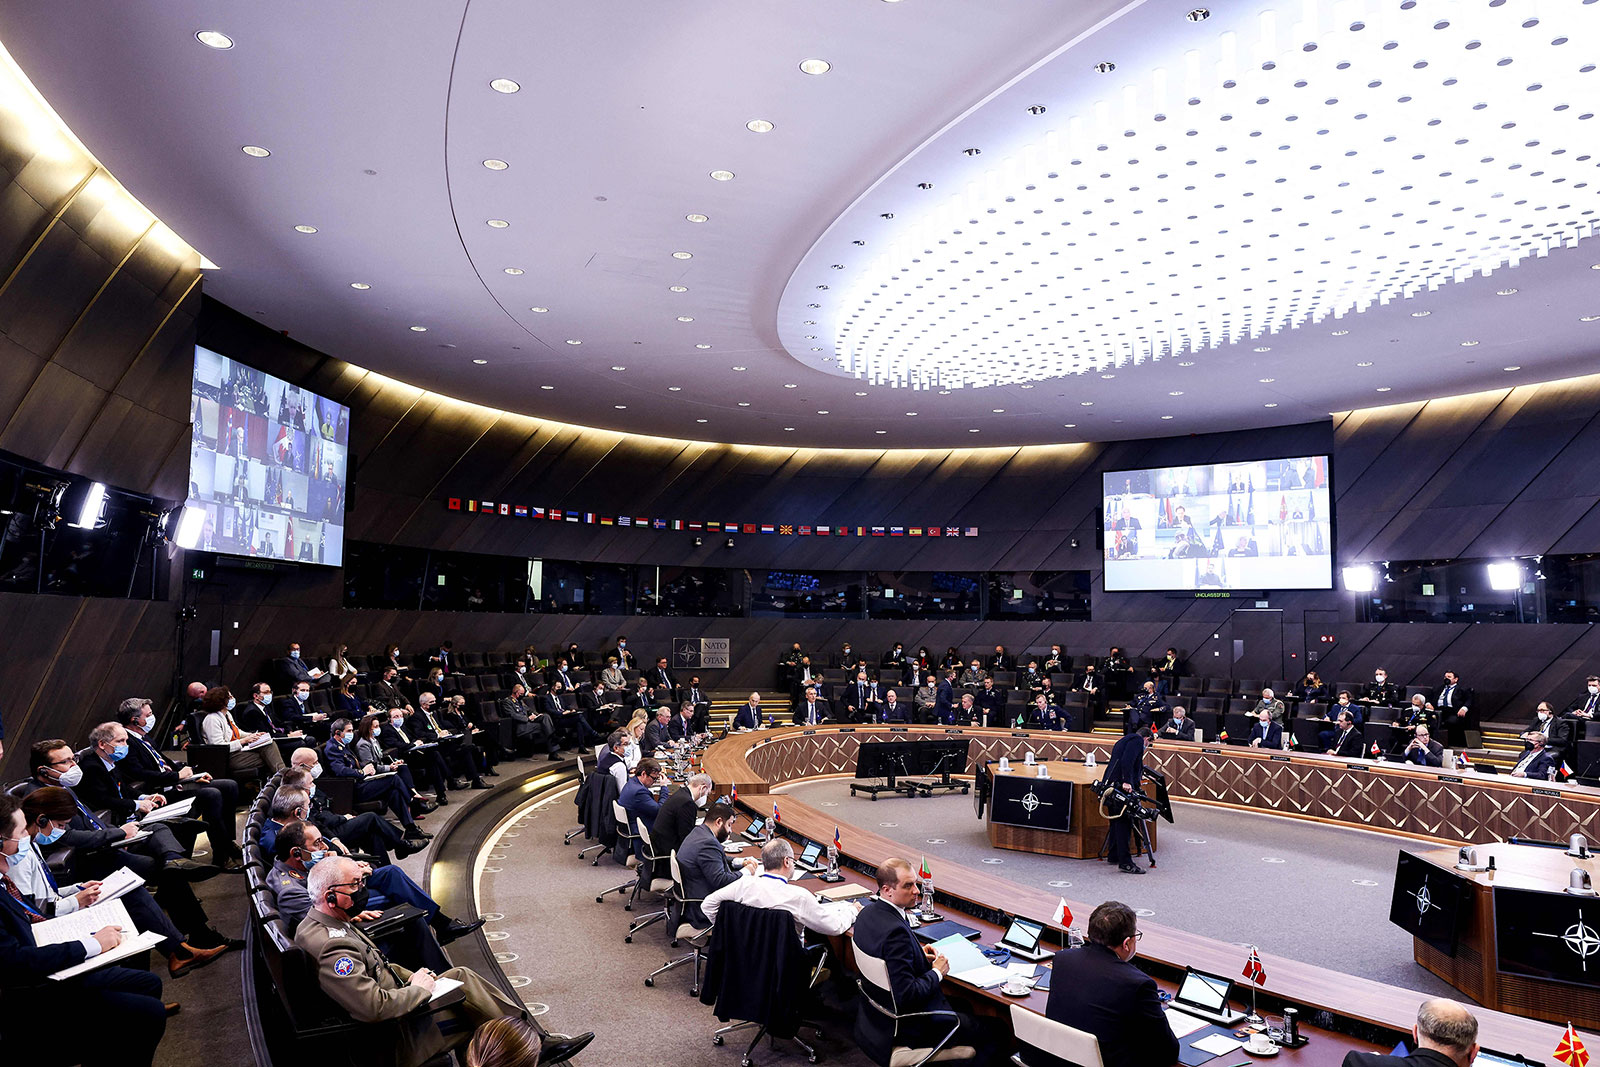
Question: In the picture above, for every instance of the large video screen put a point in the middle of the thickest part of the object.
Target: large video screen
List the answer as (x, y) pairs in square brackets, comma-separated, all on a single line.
[(268, 463), (1548, 935), (1429, 902), (1262, 524)]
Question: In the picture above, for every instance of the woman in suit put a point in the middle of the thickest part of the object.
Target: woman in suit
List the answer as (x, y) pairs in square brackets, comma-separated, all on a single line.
[(952, 659), (345, 701), (340, 668), (370, 750)]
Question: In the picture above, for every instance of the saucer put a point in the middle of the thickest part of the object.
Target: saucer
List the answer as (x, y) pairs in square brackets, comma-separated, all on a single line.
[(1247, 1048), (1019, 990)]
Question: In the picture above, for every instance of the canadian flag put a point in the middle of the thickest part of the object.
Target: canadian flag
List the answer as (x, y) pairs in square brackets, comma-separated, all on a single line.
[(1063, 915), (1375, 750)]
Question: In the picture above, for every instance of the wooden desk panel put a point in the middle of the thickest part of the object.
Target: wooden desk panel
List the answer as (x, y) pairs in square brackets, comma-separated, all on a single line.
[(1314, 787)]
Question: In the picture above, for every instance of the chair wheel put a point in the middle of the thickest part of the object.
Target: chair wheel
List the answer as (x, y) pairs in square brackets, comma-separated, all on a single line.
[(650, 982), (673, 943), (717, 1040), (628, 940), (693, 992), (599, 900), (811, 1058)]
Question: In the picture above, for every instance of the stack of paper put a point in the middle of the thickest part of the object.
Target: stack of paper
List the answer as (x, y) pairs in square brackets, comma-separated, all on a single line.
[(83, 923), (120, 882), (968, 963), (176, 810)]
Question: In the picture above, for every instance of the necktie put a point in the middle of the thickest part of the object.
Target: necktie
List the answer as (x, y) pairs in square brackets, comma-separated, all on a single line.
[(161, 761), (11, 887), (1445, 700)]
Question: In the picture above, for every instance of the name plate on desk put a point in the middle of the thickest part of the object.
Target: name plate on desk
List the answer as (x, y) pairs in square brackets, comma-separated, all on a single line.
[(1451, 778), (807, 733), (1280, 759), (1211, 751), (1542, 792), (897, 729), (1035, 803), (949, 730), (847, 729)]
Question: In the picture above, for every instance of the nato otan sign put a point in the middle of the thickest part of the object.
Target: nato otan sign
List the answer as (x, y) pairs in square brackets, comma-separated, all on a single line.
[(701, 653)]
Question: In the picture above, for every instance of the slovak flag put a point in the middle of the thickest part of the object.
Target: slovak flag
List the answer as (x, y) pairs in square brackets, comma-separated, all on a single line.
[(1253, 969), (1063, 915), (775, 816), (1571, 1051)]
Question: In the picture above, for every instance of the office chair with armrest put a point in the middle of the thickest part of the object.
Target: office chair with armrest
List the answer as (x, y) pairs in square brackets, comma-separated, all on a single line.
[(758, 971), (684, 930), (625, 840), (570, 834), (875, 973), (647, 882), (1064, 1042)]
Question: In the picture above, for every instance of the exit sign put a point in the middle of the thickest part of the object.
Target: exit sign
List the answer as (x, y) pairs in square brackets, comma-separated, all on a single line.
[(197, 574)]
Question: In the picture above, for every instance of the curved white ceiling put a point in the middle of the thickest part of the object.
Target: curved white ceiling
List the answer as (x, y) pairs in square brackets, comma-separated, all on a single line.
[(379, 120)]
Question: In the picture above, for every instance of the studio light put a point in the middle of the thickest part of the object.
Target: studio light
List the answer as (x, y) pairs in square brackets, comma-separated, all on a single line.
[(182, 525), (81, 503), (1361, 578), (1505, 576)]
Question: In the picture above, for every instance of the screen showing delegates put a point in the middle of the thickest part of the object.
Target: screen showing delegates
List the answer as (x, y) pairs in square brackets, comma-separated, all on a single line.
[(267, 462), (1262, 524)]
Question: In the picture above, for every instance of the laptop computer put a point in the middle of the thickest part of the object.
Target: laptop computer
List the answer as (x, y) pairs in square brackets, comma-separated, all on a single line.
[(807, 860), (1206, 996), (1022, 939), (753, 831)]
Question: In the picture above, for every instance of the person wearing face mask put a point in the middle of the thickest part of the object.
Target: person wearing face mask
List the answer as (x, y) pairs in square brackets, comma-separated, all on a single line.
[(1557, 732), (624, 658), (367, 835), (464, 758), (1583, 710), (296, 711), (299, 846), (775, 888), (341, 760), (215, 800), (261, 714), (704, 864), (1380, 692), (248, 757), (676, 816), (295, 669), (424, 757), (124, 1005), (340, 669), (370, 749), (47, 814), (360, 979), (104, 789)]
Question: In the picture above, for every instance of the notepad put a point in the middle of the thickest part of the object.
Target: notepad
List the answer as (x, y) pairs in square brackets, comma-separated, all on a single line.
[(120, 882), (847, 891), (1217, 1044), (263, 743), (968, 963), (176, 810), (75, 926), (441, 986), (1183, 1024)]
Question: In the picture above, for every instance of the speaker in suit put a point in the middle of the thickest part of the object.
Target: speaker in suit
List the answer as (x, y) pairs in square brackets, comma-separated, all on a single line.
[(1346, 743), (674, 819), (1093, 989), (748, 717), (1423, 1057), (1270, 735)]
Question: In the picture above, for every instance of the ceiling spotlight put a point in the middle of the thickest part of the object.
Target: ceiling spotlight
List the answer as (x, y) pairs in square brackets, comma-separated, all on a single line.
[(790, 385), (1365, 363), (1108, 375), (504, 85), (1504, 576), (1037, 109), (303, 228), (1199, 14), (1185, 362), (513, 271), (697, 217), (997, 411), (480, 362), (538, 311), (573, 341), (758, 126), (678, 288), (683, 255), (419, 329), (789, 429), (1263, 348), (1176, 392), (1105, 67), (363, 286), (1069, 425), (880, 431), (722, 175), (822, 412), (1420, 314), (1511, 368), (1165, 417), (1589, 318), (496, 164), (674, 388), (816, 66), (497, 224), (1086, 403), (620, 407), (547, 387), (214, 39), (1269, 405), (911, 414), (1469, 344), (255, 150), (1266, 381), (741, 368), (861, 394), (1340, 333), (619, 368), (744, 403), (972, 431), (699, 420), (1505, 292), (1384, 388)]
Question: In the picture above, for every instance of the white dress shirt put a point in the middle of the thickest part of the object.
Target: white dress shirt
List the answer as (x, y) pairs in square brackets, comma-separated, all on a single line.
[(773, 891), (29, 878)]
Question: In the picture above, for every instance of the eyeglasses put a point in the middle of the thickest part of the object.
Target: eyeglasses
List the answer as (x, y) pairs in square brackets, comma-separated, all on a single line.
[(360, 884), (70, 761)]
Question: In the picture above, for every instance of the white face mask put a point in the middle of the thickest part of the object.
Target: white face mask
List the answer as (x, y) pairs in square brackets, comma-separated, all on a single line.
[(1379, 678), (1544, 716), (1594, 689), (316, 771), (71, 777), (703, 801), (148, 723)]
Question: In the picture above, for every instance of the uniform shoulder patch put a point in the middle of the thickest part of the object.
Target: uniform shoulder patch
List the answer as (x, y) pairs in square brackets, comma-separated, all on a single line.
[(344, 966)]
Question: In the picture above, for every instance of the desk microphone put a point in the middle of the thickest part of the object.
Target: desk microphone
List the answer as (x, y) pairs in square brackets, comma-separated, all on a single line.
[(1578, 846), (1578, 883)]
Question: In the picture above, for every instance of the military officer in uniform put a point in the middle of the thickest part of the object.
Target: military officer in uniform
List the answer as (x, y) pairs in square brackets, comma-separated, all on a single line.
[(354, 973)]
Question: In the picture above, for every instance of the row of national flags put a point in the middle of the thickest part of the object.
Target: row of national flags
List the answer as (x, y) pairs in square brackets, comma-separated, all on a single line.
[(782, 529)]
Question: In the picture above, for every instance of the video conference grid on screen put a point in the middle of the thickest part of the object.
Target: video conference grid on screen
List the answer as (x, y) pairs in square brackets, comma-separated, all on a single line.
[(1262, 524), (267, 462)]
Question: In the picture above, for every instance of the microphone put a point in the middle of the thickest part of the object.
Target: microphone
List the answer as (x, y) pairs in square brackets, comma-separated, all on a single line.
[(1578, 883), (1467, 860), (1578, 846)]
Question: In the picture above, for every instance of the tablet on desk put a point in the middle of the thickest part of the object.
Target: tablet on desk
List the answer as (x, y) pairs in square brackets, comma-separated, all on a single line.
[(807, 860), (1206, 995), (1022, 940)]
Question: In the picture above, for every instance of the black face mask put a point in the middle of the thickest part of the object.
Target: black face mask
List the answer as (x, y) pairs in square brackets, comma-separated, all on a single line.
[(358, 901)]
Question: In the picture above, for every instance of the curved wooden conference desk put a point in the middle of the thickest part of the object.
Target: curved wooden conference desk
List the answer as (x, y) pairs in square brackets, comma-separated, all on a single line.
[(1394, 798)]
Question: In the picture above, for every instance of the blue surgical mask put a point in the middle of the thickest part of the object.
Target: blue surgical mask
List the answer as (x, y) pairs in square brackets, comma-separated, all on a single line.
[(119, 753), (314, 858), (52, 837), (231, 703), (295, 654), (349, 736), (301, 697)]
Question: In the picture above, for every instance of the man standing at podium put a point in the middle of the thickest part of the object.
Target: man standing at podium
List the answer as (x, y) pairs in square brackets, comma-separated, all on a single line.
[(1124, 770)]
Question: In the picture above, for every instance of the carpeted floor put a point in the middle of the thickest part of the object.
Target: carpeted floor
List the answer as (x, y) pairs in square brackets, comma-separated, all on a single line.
[(1296, 889)]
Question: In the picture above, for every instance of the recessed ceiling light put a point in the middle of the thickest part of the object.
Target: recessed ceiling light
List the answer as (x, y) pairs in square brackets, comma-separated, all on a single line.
[(539, 311), (480, 362), (497, 224), (702, 346), (303, 228), (573, 341), (699, 420), (790, 429), (1069, 425), (1086, 403), (1199, 14), (513, 271), (740, 368), (697, 217), (685, 318), (255, 150), (1511, 368), (214, 39), (744, 403), (1263, 348), (360, 285), (419, 329), (1384, 388), (619, 368), (546, 387), (674, 388), (1269, 405), (1176, 392), (1108, 375), (683, 255), (816, 66), (944, 392), (911, 414), (972, 431), (1185, 362), (1266, 381), (504, 85), (823, 412), (1469, 344), (861, 394), (1505, 292), (998, 411), (722, 175), (620, 407), (1165, 417), (1027, 386), (1594, 266), (1365, 363), (496, 164), (1420, 314), (1340, 333), (678, 288), (758, 126)]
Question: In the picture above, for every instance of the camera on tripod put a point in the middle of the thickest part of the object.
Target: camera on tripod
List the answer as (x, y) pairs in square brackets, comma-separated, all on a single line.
[(1116, 802)]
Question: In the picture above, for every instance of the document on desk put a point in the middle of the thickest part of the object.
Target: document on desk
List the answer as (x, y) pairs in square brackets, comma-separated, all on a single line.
[(119, 882), (968, 963), (83, 923), (176, 810), (1183, 1024), (1022, 970), (1218, 1045), (441, 986)]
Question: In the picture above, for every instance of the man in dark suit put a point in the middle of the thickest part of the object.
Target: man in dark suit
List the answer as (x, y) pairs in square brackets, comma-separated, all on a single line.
[(658, 733), (572, 723), (593, 701), (638, 798), (426, 764), (294, 669), (1583, 710), (1093, 692), (1145, 707), (1097, 989), (1002, 660), (749, 714), (1454, 703), (1180, 727), (1125, 770), (625, 659), (695, 694), (103, 789), (463, 757), (862, 699), (704, 864), (1347, 742), (1380, 692), (1538, 761), (1423, 750), (883, 932), (893, 710), (445, 657), (538, 730), (944, 699), (844, 659), (662, 679), (895, 657), (561, 671), (809, 710), (295, 710), (385, 693), (1268, 734), (990, 701), (151, 772), (681, 728), (259, 713), (1446, 1035), (676, 816), (643, 698), (1557, 732)]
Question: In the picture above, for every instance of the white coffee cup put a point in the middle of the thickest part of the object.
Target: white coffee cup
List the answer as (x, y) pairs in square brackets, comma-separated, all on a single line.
[(1260, 1043)]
